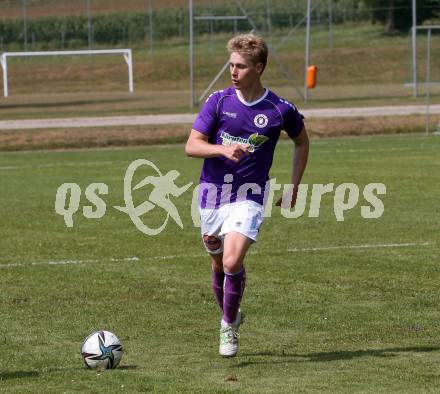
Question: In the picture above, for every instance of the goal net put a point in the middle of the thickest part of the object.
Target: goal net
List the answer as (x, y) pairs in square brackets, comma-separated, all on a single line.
[(125, 52)]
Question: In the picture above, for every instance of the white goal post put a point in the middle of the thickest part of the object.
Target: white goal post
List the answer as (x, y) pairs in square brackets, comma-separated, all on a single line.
[(125, 52)]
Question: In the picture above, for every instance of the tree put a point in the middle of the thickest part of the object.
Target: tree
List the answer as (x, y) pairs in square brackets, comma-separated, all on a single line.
[(396, 15), (390, 25)]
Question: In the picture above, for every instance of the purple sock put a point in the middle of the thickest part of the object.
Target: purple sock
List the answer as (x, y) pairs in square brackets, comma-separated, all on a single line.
[(234, 288), (217, 280)]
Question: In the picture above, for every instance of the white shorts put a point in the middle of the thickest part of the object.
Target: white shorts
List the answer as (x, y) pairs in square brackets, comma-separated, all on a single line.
[(244, 217)]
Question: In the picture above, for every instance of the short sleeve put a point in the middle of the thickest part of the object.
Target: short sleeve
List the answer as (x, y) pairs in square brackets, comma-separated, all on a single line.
[(293, 121), (206, 121)]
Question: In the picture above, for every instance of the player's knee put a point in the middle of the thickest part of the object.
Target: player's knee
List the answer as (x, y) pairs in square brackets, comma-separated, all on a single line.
[(231, 264)]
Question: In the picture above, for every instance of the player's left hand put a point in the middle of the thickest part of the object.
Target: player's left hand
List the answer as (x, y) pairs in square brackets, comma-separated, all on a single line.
[(288, 204)]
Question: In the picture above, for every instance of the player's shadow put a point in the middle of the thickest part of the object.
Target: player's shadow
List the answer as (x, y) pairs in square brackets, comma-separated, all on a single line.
[(283, 357), (18, 375), (36, 374)]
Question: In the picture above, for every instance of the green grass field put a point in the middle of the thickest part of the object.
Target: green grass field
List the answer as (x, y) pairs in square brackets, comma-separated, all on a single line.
[(337, 307)]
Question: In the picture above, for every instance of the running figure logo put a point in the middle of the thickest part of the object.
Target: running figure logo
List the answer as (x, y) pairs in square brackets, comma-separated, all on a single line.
[(163, 187)]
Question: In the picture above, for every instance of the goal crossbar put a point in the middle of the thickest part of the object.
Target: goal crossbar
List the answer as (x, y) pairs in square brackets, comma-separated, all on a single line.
[(125, 52)]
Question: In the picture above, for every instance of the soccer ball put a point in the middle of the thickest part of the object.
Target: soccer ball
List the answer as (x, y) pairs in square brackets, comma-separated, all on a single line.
[(102, 350)]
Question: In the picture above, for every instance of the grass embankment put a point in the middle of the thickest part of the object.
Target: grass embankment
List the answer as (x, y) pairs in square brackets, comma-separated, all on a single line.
[(103, 137)]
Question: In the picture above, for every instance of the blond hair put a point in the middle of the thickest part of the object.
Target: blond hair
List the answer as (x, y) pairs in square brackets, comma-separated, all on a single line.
[(250, 45)]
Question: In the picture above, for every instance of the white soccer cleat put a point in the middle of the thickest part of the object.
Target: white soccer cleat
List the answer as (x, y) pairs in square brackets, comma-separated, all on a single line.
[(228, 341), (229, 336)]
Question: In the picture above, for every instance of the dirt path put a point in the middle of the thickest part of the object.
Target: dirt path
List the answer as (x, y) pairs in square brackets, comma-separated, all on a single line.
[(141, 120)]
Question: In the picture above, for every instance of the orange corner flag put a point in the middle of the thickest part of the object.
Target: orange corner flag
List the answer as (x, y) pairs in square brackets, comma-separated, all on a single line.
[(312, 72)]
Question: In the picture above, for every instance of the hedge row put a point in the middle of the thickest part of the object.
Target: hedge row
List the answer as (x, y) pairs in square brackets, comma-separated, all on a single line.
[(121, 28)]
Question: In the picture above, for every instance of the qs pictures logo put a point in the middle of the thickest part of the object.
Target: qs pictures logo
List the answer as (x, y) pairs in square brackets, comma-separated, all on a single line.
[(163, 187), (157, 191)]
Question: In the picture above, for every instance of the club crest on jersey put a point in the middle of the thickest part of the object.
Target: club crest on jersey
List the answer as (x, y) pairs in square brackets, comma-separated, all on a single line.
[(254, 141), (261, 121)]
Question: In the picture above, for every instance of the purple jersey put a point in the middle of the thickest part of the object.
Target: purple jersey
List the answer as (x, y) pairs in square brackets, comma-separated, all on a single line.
[(227, 119)]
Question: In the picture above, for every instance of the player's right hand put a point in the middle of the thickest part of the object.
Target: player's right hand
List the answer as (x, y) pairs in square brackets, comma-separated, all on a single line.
[(236, 151)]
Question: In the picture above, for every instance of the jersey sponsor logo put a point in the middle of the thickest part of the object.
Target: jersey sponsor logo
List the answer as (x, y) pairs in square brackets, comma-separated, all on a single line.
[(230, 114), (261, 121), (254, 140)]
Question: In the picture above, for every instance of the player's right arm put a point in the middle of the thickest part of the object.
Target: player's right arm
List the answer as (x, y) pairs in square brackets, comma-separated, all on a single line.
[(199, 146)]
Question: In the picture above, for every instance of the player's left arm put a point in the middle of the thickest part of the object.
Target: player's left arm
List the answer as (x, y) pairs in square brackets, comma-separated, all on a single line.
[(299, 165)]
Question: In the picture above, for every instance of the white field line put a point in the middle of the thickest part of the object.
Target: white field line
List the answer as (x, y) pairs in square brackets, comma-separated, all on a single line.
[(365, 246), (64, 262), (172, 257)]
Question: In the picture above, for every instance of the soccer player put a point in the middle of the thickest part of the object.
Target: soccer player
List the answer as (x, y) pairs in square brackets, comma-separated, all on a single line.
[(236, 133)]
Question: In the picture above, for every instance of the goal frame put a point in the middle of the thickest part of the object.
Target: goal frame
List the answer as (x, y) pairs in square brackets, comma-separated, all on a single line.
[(125, 52)]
